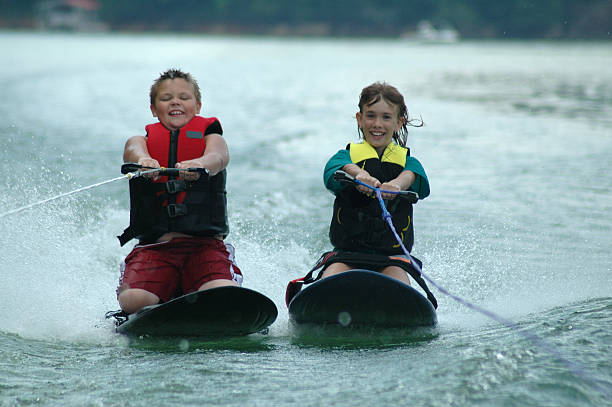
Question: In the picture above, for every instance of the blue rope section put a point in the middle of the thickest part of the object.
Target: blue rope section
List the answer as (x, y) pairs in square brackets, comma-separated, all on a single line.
[(577, 369)]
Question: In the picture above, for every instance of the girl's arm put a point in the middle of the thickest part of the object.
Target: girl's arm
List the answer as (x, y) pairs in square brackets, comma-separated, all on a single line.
[(401, 183), (413, 178), (362, 175), (342, 161), (337, 162)]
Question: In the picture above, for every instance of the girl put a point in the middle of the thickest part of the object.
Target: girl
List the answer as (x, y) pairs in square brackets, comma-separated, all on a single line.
[(360, 236)]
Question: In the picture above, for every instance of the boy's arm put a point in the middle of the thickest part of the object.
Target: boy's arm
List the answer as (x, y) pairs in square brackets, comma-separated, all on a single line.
[(215, 157), (136, 151)]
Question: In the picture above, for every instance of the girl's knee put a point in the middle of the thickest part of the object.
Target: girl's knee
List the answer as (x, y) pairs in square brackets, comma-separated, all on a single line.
[(335, 268), (397, 273)]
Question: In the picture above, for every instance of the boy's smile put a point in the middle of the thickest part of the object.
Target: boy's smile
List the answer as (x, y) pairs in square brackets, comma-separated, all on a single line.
[(175, 104)]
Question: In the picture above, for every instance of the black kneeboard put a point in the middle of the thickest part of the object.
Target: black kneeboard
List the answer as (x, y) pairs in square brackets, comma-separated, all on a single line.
[(362, 298), (216, 312)]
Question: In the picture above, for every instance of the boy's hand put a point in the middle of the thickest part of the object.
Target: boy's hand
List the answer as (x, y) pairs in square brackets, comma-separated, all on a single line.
[(186, 175), (149, 162)]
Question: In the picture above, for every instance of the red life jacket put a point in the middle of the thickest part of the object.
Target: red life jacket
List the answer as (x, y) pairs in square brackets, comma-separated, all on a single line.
[(191, 141), (170, 204)]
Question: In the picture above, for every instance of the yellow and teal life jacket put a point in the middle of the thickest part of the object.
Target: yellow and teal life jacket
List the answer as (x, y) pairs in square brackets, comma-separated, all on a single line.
[(357, 223)]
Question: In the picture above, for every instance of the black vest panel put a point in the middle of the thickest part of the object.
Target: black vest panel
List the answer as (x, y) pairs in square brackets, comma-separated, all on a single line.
[(202, 213)]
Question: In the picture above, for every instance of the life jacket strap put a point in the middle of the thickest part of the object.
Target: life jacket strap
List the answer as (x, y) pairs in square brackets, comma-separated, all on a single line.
[(128, 234), (175, 210), (294, 287), (174, 186)]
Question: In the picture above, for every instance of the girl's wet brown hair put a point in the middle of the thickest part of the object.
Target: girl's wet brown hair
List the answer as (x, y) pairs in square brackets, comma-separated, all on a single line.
[(381, 90), (175, 74)]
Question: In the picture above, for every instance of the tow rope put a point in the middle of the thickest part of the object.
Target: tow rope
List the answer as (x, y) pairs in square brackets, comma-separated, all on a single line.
[(130, 170), (574, 367)]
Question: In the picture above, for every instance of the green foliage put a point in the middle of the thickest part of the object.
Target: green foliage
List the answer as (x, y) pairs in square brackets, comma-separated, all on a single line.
[(473, 18)]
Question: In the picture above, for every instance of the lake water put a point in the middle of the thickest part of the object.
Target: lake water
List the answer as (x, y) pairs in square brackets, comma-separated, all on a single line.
[(517, 144)]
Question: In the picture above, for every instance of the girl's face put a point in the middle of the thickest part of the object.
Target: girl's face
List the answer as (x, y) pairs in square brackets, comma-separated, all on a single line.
[(378, 122), (175, 103)]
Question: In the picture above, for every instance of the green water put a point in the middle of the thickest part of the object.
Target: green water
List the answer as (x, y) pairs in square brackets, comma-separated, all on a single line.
[(517, 144)]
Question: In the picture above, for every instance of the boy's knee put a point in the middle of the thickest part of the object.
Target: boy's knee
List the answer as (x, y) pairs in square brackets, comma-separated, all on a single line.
[(133, 299)]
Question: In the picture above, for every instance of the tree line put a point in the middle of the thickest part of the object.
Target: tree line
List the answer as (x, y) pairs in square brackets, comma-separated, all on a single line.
[(472, 18)]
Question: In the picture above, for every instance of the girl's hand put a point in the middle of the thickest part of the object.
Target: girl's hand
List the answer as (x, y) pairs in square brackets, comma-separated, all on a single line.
[(366, 178), (390, 186)]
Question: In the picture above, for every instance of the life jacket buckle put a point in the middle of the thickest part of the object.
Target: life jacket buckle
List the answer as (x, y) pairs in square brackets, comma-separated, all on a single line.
[(175, 210), (175, 185)]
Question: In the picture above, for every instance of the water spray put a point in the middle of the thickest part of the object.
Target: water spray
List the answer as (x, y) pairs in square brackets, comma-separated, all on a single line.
[(575, 368)]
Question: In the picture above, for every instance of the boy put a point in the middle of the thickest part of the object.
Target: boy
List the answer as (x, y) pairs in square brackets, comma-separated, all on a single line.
[(180, 222)]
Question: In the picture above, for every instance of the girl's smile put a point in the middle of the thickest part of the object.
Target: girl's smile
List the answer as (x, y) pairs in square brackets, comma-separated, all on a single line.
[(379, 122)]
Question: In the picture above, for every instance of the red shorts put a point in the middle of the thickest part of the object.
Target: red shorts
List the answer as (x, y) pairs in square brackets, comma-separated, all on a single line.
[(179, 266)]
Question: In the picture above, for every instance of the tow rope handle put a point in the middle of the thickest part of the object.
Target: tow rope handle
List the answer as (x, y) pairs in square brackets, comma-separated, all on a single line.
[(138, 170), (341, 176)]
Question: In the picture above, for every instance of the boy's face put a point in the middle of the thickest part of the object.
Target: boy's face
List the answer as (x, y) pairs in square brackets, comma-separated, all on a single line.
[(378, 123), (175, 104)]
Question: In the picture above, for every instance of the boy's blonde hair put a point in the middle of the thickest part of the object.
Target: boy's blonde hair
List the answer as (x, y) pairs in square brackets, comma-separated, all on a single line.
[(175, 74)]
